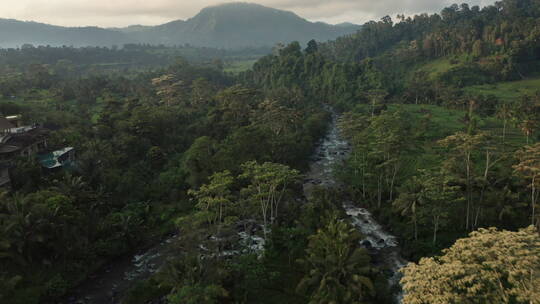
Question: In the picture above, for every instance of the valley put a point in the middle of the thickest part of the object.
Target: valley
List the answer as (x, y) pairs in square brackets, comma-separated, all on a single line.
[(249, 155)]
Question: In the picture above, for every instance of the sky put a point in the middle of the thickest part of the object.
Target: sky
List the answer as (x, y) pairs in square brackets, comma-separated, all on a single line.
[(119, 13)]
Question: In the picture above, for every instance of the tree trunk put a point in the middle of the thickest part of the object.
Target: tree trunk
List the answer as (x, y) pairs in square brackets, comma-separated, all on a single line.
[(467, 220), (355, 164), (533, 200), (264, 210), (504, 132), (482, 192), (379, 191), (219, 228), (396, 168), (271, 199), (364, 176), (415, 228), (435, 229), (477, 217)]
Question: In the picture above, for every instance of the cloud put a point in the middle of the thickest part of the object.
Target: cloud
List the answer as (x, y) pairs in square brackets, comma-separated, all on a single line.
[(125, 12)]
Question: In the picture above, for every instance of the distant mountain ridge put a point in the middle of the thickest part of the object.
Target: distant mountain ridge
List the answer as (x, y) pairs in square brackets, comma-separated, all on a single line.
[(233, 25), (15, 33)]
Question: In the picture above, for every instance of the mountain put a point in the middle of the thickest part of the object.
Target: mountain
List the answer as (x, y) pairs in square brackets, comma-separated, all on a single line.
[(242, 25), (233, 25), (14, 33), (347, 24)]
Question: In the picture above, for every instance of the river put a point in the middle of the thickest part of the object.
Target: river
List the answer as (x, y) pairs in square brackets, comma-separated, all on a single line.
[(383, 246), (113, 280)]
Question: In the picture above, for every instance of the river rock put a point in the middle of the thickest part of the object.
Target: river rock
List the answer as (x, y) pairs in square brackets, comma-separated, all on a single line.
[(367, 244)]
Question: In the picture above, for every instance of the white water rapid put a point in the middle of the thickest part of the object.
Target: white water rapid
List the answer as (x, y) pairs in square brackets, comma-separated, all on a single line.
[(382, 245)]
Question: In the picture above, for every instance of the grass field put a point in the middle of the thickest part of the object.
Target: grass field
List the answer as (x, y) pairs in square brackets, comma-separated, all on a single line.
[(435, 68), (445, 122), (507, 90), (239, 66)]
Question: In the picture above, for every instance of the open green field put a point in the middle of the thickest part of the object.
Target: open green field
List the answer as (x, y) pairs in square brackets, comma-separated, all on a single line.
[(437, 67), (239, 66), (507, 90), (445, 122)]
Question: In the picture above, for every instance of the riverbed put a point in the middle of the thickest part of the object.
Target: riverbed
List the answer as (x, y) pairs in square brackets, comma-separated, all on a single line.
[(383, 246), (112, 282)]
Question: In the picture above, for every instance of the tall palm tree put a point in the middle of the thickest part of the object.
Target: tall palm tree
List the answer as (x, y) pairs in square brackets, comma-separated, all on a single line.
[(409, 200), (338, 270), (504, 112)]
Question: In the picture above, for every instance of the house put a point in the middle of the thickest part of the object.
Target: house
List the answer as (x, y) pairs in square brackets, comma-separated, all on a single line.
[(5, 125), (5, 165), (17, 140), (15, 120), (4, 174), (64, 158)]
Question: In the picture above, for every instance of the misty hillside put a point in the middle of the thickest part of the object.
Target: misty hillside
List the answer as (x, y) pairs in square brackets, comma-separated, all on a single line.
[(241, 25), (15, 33), (233, 25)]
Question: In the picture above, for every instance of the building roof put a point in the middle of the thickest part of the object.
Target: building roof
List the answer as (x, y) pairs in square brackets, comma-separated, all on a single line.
[(8, 148), (24, 136), (5, 124), (52, 160)]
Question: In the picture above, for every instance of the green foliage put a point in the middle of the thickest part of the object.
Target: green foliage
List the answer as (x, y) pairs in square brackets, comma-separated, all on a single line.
[(141, 144), (337, 270), (508, 91), (268, 185), (435, 68), (193, 280), (491, 194), (198, 160), (214, 199), (209, 149), (56, 287), (7, 285), (236, 67), (210, 294), (465, 76), (489, 266), (144, 291)]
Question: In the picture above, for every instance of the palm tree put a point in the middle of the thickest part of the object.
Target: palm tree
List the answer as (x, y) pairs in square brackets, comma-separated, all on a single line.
[(504, 112), (7, 283), (338, 269), (408, 202), (30, 225), (71, 185), (529, 169)]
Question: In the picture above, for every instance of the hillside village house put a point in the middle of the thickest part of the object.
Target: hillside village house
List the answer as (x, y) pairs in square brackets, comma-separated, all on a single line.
[(17, 140)]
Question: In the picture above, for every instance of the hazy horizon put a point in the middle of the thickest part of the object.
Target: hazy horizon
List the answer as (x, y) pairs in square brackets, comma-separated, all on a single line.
[(123, 13)]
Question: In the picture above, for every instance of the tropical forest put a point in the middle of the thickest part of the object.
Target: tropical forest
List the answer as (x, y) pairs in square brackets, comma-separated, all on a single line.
[(394, 161)]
